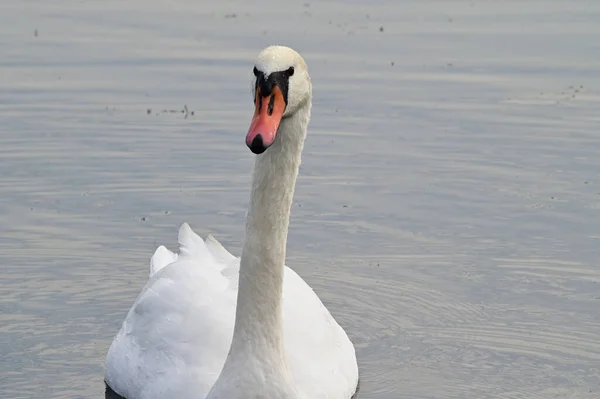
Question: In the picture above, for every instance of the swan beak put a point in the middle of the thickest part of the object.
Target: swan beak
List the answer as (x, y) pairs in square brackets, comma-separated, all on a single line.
[(267, 116)]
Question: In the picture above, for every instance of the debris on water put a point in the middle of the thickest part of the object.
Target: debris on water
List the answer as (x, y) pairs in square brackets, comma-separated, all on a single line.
[(381, 29), (143, 219), (230, 15), (392, 63), (185, 111), (35, 33), (344, 206)]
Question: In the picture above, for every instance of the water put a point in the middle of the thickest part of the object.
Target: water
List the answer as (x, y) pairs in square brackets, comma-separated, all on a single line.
[(447, 210)]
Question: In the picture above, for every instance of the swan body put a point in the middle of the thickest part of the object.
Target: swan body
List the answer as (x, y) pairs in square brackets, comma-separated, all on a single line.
[(211, 325)]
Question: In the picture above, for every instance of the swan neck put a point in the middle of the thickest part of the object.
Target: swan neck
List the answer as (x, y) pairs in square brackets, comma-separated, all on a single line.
[(258, 323)]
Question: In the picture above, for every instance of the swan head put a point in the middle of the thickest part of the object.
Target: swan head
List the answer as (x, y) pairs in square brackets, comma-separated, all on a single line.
[(281, 86)]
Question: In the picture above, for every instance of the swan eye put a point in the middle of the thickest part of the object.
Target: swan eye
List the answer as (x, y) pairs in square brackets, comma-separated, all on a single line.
[(290, 71)]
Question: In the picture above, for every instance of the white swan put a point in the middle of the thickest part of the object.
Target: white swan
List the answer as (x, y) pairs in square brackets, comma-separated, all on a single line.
[(193, 333)]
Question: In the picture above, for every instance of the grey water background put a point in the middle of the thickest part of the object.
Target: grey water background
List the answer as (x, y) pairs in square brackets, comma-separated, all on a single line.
[(447, 210)]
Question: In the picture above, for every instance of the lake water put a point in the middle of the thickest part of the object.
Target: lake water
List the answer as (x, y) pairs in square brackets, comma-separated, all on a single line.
[(447, 212)]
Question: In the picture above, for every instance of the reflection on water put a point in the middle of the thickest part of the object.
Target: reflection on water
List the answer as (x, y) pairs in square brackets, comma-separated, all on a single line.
[(446, 212), (110, 394)]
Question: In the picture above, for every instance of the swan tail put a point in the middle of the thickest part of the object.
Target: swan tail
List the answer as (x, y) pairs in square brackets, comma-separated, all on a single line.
[(161, 258)]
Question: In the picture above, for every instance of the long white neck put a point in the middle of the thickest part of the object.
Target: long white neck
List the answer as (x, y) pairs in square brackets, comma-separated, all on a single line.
[(258, 331)]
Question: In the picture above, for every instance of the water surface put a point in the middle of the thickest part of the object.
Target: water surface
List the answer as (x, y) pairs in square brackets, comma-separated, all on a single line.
[(447, 210)]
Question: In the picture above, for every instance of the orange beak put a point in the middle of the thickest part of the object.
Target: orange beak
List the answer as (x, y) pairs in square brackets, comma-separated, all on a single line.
[(267, 116)]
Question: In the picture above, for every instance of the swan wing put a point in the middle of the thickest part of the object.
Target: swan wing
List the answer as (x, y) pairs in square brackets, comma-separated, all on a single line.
[(174, 339), (218, 251), (320, 354), (162, 257)]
